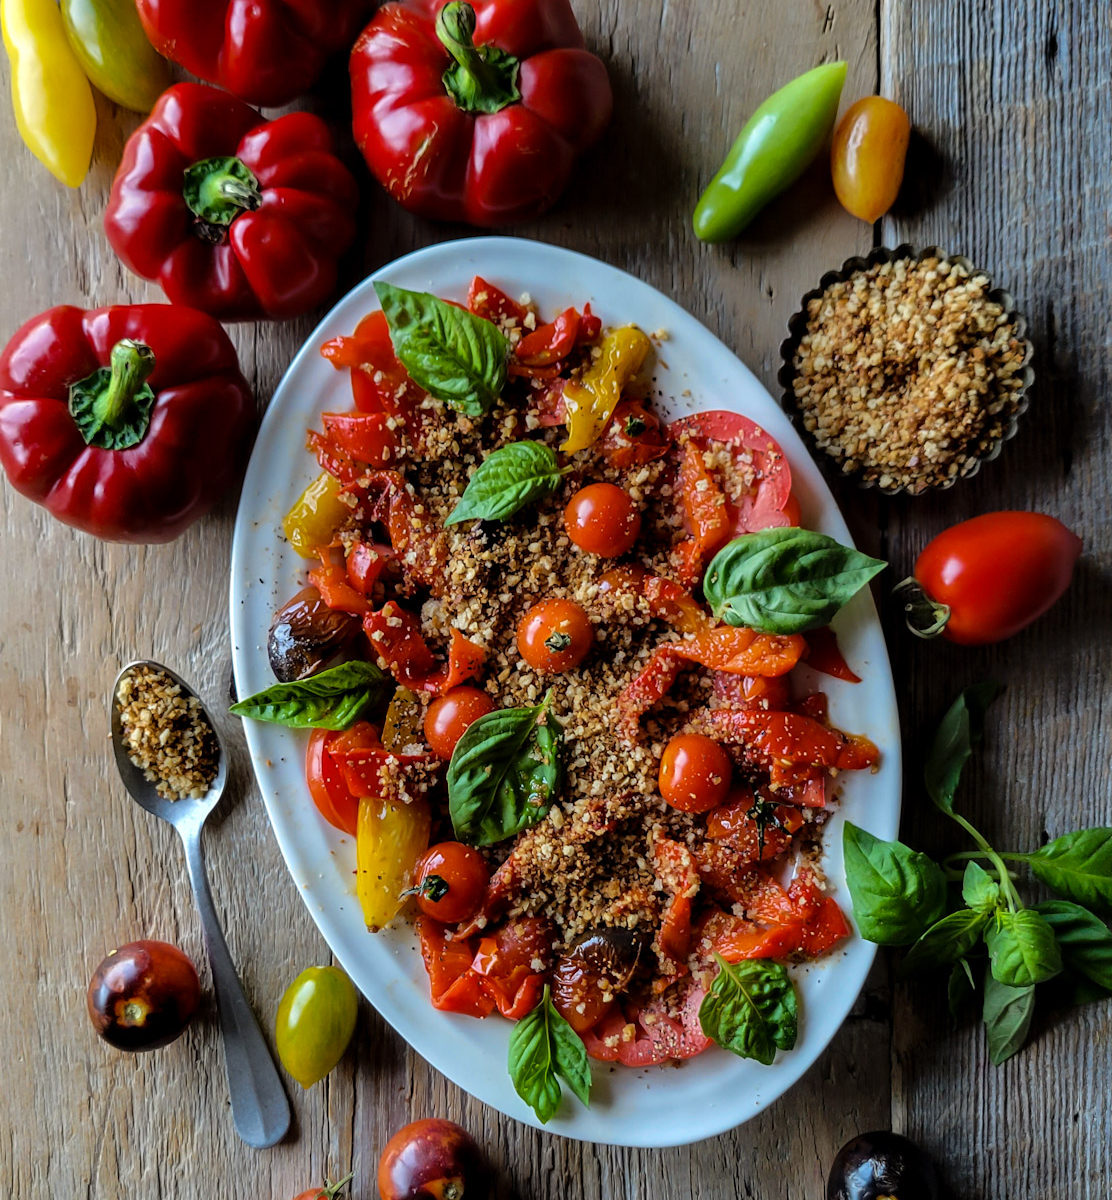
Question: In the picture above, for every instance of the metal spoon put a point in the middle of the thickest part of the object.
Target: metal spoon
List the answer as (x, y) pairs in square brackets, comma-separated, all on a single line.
[(260, 1109)]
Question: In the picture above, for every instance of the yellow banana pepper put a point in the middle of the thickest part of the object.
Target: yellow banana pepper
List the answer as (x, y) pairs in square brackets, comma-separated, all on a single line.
[(53, 101), (591, 400), (108, 39), (390, 837), (315, 516)]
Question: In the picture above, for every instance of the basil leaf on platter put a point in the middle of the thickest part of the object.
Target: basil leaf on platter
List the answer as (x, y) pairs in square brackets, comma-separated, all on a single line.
[(785, 580), (543, 1050), (507, 480), (959, 733), (333, 699), (503, 774), (947, 940), (454, 355), (751, 1009), (1007, 1015), (897, 892), (1079, 866), (979, 890), (1084, 940)]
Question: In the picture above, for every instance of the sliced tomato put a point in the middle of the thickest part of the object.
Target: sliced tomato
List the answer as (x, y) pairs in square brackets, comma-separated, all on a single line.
[(331, 795), (643, 1033), (823, 654)]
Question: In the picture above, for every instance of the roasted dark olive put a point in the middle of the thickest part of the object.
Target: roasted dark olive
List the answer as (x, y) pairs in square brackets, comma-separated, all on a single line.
[(882, 1166), (591, 974), (432, 1160), (143, 995), (305, 634)]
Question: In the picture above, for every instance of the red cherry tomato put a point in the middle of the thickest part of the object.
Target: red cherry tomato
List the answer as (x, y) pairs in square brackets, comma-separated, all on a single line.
[(867, 156), (695, 773), (431, 1160), (555, 635), (328, 1191), (634, 437), (602, 519), (451, 882), (332, 796), (995, 574), (143, 995), (449, 716)]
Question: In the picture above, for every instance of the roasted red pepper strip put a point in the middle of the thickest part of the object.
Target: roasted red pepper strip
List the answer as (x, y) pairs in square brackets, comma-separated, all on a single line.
[(365, 563), (397, 639), (232, 214), (165, 417), (550, 343), (369, 769), (492, 304), (379, 383), (634, 437), (422, 551), (675, 868), (365, 437), (452, 983), (704, 514), (465, 661), (823, 654), (268, 52), (331, 580), (454, 132)]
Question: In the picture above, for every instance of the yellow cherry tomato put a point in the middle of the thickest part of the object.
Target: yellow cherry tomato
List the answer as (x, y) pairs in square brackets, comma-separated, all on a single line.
[(591, 400), (315, 516), (316, 1018), (390, 837), (867, 156), (52, 99)]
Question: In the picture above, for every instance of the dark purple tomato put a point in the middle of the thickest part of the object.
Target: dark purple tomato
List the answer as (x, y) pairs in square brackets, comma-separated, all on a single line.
[(431, 1160), (143, 995), (875, 1166)]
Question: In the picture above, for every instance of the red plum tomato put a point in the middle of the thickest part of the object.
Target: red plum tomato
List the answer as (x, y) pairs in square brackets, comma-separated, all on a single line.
[(143, 995), (449, 716), (602, 519), (451, 882), (695, 773), (431, 1159)]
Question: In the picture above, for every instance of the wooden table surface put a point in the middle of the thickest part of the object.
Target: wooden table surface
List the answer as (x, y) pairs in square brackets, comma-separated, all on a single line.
[(1012, 106)]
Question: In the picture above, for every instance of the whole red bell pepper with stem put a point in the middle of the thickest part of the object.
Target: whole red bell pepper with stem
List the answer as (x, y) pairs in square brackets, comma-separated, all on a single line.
[(267, 52), (476, 112), (232, 214), (127, 422)]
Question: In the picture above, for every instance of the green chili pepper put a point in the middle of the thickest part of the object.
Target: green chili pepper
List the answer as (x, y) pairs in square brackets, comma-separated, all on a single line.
[(778, 143), (113, 50)]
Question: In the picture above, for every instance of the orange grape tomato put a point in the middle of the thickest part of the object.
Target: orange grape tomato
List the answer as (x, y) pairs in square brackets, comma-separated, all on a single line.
[(867, 156), (555, 635)]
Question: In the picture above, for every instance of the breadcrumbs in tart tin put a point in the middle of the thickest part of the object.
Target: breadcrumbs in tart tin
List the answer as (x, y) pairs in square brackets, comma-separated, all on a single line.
[(906, 369)]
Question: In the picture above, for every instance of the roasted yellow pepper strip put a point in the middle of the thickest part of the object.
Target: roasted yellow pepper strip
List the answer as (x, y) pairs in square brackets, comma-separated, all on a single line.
[(591, 400), (53, 101), (390, 837), (315, 516)]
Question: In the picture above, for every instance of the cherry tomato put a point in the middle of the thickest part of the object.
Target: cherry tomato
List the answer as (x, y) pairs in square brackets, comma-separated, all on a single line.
[(431, 1160), (601, 519), (451, 882), (333, 798), (316, 1018), (555, 635), (867, 156), (448, 717), (987, 578), (695, 773), (328, 1191), (143, 995), (634, 437)]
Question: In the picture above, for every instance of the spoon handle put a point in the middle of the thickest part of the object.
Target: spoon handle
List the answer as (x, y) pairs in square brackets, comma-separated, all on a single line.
[(260, 1109)]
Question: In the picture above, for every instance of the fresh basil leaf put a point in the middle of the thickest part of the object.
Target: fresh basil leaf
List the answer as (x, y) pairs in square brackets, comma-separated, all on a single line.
[(1022, 949), (1079, 866), (543, 1050), (897, 892), (945, 942), (960, 989), (504, 772), (332, 699), (785, 580), (1084, 940), (751, 1009), (979, 890), (1007, 1015), (959, 733), (454, 355), (507, 480)]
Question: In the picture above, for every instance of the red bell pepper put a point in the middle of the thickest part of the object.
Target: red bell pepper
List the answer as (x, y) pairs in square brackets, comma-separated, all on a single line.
[(268, 52), (476, 112), (127, 422), (232, 214)]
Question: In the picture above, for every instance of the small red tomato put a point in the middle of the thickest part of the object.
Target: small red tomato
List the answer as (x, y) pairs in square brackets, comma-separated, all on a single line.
[(695, 773), (601, 519), (451, 882), (329, 1191), (867, 156), (431, 1160), (143, 995), (449, 715), (987, 578), (555, 635)]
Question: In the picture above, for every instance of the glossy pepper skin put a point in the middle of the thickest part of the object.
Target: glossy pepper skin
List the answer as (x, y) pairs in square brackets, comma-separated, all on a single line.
[(476, 112), (266, 52), (232, 214), (193, 425)]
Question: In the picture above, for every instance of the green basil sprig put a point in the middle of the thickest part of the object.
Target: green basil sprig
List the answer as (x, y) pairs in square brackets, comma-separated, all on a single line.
[(897, 892), (751, 1009), (543, 1050), (454, 355), (785, 580), (1079, 866), (504, 772), (1022, 949), (1084, 940), (333, 699), (960, 732), (507, 480)]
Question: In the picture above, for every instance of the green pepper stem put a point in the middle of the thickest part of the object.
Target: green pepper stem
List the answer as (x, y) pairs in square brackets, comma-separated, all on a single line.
[(217, 190), (1002, 872), (455, 27), (482, 79), (130, 364)]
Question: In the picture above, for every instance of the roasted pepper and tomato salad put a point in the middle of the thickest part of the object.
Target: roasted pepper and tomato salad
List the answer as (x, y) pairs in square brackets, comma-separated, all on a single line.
[(597, 780)]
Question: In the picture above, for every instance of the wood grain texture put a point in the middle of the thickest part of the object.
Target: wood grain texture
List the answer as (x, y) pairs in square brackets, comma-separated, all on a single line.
[(1019, 134)]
